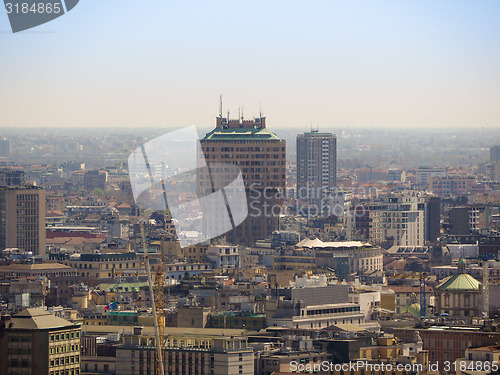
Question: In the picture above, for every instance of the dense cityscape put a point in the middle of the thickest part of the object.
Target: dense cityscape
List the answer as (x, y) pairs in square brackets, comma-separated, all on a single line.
[(359, 251)]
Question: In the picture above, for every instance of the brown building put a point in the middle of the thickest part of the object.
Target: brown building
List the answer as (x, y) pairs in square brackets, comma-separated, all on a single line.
[(261, 157), (22, 219), (61, 278), (448, 343), (11, 177), (95, 179), (36, 342)]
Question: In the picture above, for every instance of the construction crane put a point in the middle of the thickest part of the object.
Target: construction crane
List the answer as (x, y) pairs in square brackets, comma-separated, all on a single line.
[(486, 288), (158, 305), (423, 297)]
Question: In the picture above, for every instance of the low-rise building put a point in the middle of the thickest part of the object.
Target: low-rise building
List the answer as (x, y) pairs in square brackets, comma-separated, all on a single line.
[(224, 257), (201, 351)]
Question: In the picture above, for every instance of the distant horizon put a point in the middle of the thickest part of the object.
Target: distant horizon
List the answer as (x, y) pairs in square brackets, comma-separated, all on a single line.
[(269, 125)]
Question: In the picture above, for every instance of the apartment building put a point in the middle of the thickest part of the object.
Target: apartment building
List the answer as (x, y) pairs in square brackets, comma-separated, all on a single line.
[(34, 341), (204, 351), (316, 168), (22, 218)]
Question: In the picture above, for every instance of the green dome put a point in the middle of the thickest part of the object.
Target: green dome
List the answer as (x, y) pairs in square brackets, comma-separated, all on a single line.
[(413, 309), (461, 282), (461, 261)]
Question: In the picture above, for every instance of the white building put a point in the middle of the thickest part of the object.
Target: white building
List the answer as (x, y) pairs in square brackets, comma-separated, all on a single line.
[(316, 167), (407, 220), (423, 175), (224, 257)]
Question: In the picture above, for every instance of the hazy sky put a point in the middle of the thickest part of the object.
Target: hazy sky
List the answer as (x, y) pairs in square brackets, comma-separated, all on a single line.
[(333, 63)]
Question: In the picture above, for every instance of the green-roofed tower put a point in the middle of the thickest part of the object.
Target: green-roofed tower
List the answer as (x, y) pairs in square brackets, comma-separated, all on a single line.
[(261, 157)]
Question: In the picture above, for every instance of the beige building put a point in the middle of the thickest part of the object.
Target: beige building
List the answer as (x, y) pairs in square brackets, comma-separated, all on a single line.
[(208, 351), (195, 317), (34, 341), (482, 360), (261, 157), (459, 295), (22, 219), (104, 265)]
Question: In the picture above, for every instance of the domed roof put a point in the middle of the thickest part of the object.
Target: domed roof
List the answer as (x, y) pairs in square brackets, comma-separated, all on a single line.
[(461, 261), (461, 282), (413, 309)]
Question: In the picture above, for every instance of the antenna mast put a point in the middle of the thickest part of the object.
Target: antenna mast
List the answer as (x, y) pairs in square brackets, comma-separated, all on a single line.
[(220, 106)]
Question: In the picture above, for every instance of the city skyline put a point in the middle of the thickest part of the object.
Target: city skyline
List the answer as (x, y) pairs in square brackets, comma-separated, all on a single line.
[(340, 64), (344, 209)]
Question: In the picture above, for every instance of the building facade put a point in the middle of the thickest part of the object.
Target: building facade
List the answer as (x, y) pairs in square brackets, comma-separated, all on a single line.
[(316, 168), (405, 220), (12, 177), (200, 351), (34, 341), (22, 219), (261, 157)]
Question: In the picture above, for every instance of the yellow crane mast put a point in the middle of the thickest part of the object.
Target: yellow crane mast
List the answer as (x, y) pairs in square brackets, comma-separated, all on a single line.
[(158, 312)]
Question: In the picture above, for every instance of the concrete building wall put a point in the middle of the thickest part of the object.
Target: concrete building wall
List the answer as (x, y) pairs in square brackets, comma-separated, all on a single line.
[(22, 219), (316, 167)]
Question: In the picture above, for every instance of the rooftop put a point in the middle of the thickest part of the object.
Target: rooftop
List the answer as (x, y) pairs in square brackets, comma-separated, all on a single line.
[(317, 243), (37, 319), (462, 282), (171, 331), (241, 134), (34, 267)]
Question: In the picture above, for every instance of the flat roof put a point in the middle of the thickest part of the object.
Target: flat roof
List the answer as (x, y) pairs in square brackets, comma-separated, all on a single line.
[(171, 331), (242, 133)]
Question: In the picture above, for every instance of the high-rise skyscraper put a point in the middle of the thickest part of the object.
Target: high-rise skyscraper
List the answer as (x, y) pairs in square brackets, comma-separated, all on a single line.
[(22, 219), (95, 179), (5, 148), (11, 177), (495, 153), (261, 157), (316, 168)]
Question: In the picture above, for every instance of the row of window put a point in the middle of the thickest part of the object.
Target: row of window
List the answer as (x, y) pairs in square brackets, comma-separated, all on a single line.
[(64, 349), (64, 336), (75, 371), (335, 310), (258, 149), (72, 359), (16, 338), (19, 351), (84, 265), (27, 198), (19, 363)]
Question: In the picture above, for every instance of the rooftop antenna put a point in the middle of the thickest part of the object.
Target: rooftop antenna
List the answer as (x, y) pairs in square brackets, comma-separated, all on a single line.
[(260, 109), (220, 106)]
